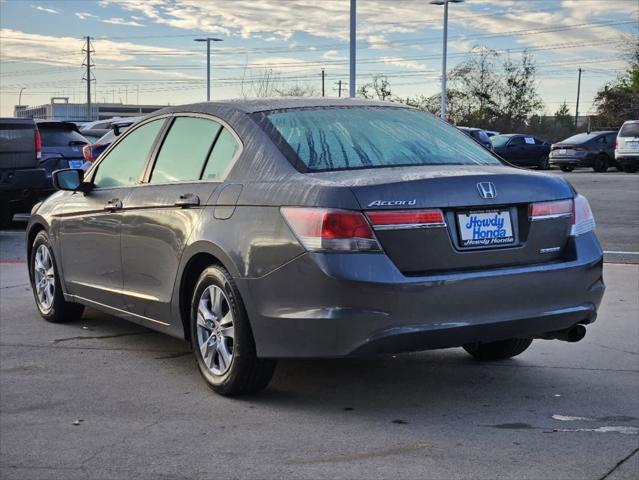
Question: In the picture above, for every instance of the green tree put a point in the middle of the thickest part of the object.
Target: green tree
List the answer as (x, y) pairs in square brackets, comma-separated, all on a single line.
[(563, 118), (618, 100)]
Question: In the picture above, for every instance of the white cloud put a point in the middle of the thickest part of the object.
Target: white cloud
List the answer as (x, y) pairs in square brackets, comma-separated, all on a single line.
[(333, 55), (122, 21), (399, 62), (45, 9), (85, 15)]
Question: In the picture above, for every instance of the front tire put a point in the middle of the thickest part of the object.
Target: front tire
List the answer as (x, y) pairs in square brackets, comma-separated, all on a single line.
[(46, 286), (499, 350), (221, 336), (566, 168)]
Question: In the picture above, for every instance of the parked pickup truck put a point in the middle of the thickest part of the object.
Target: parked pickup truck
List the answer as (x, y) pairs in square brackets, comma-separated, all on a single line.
[(22, 179)]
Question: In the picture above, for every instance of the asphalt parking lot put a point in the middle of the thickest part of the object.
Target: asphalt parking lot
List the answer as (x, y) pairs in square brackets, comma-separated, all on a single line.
[(105, 399)]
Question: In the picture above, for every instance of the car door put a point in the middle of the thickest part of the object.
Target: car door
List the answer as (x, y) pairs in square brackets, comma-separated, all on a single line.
[(611, 139), (516, 151), (89, 224), (188, 167)]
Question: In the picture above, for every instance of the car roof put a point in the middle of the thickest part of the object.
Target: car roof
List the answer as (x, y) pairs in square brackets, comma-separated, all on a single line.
[(266, 104)]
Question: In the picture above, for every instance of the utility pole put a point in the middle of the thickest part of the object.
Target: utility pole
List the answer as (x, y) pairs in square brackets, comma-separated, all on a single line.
[(323, 76), (351, 80), (88, 63), (339, 89), (208, 41), (578, 91)]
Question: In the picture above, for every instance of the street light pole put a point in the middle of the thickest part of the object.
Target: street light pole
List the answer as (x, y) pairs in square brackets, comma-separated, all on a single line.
[(20, 96), (208, 41), (444, 50), (351, 82)]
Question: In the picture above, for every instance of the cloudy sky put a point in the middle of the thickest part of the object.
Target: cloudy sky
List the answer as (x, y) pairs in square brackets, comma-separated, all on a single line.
[(145, 50)]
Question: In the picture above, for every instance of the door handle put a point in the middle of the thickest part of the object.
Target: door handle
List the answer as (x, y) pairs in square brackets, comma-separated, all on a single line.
[(113, 204), (187, 200)]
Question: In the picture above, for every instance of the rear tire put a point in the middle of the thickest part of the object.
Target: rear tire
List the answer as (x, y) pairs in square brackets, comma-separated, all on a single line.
[(46, 286), (566, 168), (544, 163), (222, 339), (600, 163), (499, 350)]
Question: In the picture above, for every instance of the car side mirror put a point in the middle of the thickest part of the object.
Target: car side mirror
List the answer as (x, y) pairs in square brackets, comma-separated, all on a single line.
[(71, 179), (116, 130)]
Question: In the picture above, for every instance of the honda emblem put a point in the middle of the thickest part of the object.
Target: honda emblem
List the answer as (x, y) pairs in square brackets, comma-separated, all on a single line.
[(487, 189)]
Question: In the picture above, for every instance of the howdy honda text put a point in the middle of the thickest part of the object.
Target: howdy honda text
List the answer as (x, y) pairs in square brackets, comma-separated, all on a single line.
[(485, 228)]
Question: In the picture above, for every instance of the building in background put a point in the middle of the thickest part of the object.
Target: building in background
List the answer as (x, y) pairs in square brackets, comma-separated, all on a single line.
[(60, 109)]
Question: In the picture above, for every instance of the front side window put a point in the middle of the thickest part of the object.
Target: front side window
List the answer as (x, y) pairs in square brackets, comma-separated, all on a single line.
[(124, 163), (221, 157), (340, 138), (184, 150)]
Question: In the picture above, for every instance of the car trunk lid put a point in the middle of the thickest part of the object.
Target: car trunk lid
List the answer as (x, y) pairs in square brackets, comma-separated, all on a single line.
[(460, 193)]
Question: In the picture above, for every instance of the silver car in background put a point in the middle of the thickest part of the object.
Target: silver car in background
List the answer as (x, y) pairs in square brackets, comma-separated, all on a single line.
[(627, 146)]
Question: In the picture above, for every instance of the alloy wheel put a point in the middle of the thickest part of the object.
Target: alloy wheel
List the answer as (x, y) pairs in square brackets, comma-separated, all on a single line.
[(215, 330), (44, 278)]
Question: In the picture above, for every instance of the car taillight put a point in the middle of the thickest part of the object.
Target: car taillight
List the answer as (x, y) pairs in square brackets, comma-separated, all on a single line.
[(583, 219), (87, 153), (382, 220), (547, 210), (579, 209), (38, 144), (323, 229)]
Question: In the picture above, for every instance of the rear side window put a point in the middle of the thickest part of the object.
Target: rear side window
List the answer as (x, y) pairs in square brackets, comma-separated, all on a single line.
[(184, 150), (517, 141), (54, 136), (338, 138), (629, 130), (123, 165), (224, 151)]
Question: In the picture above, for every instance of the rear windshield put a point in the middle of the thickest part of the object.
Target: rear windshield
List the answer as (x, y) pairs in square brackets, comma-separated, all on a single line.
[(17, 138), (341, 138), (60, 136), (580, 138), (629, 130)]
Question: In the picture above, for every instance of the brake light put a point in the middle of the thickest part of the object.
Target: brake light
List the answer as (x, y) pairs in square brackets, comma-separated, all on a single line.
[(331, 230), (583, 220), (38, 144), (546, 210), (382, 220), (87, 153)]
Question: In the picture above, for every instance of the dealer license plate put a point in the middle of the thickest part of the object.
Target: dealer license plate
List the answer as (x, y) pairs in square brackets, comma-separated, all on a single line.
[(632, 144), (486, 228)]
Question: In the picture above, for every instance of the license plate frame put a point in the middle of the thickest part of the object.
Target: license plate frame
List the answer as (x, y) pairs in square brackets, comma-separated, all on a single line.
[(465, 225)]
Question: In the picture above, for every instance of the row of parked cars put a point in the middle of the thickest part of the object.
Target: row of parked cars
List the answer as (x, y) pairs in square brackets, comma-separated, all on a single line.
[(31, 150), (598, 150)]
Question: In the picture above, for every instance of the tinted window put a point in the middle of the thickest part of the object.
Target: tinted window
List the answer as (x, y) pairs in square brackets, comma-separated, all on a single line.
[(123, 165), (17, 138), (367, 137), (610, 138), (184, 150), (629, 130), (517, 141), (220, 159), (539, 141), (60, 136), (483, 137), (580, 138)]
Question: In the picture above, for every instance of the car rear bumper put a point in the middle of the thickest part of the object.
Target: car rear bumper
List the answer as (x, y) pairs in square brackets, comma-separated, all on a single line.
[(571, 161), (334, 305), (627, 158)]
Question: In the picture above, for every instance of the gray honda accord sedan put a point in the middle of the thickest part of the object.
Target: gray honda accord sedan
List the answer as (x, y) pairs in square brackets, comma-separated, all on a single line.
[(259, 230)]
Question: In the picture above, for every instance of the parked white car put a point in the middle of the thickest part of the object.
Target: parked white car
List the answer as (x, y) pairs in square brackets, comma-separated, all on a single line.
[(627, 146)]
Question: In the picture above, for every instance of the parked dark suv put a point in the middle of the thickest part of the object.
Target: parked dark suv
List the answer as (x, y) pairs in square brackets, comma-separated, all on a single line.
[(522, 150), (21, 177), (62, 146), (594, 149)]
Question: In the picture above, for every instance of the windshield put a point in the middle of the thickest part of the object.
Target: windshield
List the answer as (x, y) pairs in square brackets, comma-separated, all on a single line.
[(340, 138), (63, 136), (499, 140)]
